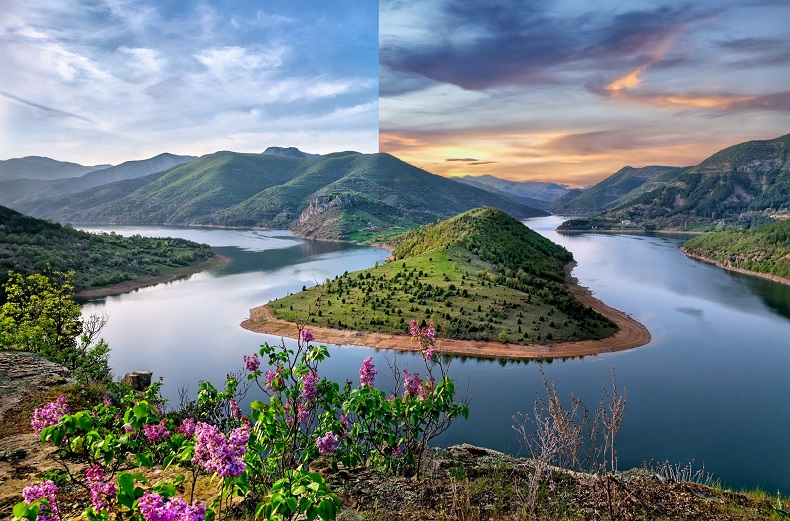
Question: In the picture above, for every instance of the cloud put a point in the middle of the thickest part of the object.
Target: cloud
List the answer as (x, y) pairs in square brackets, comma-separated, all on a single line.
[(465, 159), (47, 110), (511, 42)]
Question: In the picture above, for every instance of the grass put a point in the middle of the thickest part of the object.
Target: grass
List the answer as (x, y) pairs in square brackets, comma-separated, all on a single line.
[(450, 288)]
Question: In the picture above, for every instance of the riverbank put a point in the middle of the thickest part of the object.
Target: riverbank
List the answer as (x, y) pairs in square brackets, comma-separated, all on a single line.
[(130, 285), (766, 276), (630, 334)]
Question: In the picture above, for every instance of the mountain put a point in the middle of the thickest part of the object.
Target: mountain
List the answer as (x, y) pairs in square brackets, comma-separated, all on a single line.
[(287, 152), (626, 184), (29, 245), (532, 193), (333, 196), (17, 191), (43, 168), (481, 275), (764, 250), (743, 185)]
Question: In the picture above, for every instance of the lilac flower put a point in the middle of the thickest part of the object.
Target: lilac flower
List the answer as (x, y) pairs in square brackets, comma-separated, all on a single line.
[(346, 424), (302, 413), (101, 491), (425, 336), (309, 388), (45, 490), (252, 363), (398, 450), (106, 401), (154, 508), (155, 432), (187, 427), (235, 410), (327, 443), (50, 414), (367, 373), (217, 454), (306, 335), (273, 379), (414, 386)]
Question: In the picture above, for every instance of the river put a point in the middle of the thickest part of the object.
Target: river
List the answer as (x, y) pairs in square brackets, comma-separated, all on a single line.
[(711, 387)]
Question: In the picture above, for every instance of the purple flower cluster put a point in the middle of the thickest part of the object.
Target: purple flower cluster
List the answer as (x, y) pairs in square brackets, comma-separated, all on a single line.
[(44, 490), (426, 336), (309, 387), (327, 443), (156, 432), (154, 508), (274, 379), (414, 386), (215, 453), (252, 363), (50, 414), (187, 427), (101, 491), (235, 410), (306, 336), (367, 373)]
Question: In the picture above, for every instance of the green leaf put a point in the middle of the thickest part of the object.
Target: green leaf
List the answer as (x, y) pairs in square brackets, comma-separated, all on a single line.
[(291, 502), (144, 460)]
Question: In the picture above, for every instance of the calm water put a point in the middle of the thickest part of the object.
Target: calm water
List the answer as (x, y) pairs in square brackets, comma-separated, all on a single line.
[(712, 386)]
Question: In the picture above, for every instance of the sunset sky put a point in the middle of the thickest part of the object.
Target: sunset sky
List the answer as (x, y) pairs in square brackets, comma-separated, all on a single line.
[(571, 91), (105, 81)]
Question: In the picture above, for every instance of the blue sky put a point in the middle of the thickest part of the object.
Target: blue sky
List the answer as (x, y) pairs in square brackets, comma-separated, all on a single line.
[(104, 81), (572, 90)]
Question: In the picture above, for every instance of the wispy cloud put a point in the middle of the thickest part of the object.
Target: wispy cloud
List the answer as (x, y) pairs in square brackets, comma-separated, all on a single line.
[(147, 77)]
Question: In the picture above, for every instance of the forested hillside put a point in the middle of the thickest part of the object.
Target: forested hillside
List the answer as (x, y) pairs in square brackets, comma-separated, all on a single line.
[(765, 249), (29, 245)]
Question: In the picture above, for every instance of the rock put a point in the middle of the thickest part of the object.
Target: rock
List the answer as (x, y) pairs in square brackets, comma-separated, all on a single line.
[(138, 380)]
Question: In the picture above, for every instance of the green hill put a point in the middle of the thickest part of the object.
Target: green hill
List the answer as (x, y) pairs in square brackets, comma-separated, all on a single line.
[(626, 184), (481, 275), (765, 249), (29, 245), (743, 185), (344, 195)]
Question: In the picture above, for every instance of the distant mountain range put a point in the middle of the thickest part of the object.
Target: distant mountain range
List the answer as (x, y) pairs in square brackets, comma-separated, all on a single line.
[(743, 185), (14, 192), (532, 193), (43, 168), (345, 195)]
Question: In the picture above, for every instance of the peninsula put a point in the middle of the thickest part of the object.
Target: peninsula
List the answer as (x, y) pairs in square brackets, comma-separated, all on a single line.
[(493, 288)]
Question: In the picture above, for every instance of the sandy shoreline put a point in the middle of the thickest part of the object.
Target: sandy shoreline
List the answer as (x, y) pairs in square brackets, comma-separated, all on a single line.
[(631, 334), (766, 276), (131, 285)]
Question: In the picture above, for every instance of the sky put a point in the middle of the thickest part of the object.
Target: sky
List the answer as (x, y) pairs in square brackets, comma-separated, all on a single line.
[(567, 91), (106, 81), (571, 91)]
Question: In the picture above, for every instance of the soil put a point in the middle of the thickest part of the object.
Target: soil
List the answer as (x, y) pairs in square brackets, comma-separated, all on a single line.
[(629, 335)]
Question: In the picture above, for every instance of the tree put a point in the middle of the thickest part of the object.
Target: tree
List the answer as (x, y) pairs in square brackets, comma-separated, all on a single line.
[(40, 316)]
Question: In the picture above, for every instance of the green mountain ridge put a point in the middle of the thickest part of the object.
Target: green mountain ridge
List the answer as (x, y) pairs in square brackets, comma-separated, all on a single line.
[(743, 185), (368, 192), (481, 275), (626, 184)]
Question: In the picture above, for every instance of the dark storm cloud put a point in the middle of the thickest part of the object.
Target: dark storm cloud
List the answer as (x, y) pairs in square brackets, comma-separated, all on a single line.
[(522, 43)]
